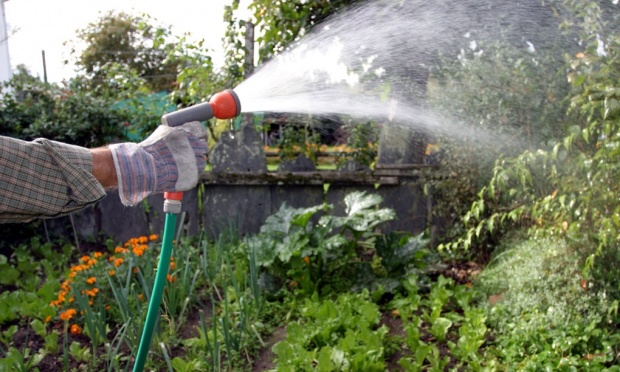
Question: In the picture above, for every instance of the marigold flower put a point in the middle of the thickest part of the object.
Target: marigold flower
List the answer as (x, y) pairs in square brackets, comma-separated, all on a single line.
[(143, 239), (111, 272), (85, 258), (97, 254), (48, 318), (120, 250), (75, 329), (67, 314), (307, 260), (141, 297), (171, 278), (118, 262), (91, 280), (153, 237), (139, 250), (134, 270), (173, 265)]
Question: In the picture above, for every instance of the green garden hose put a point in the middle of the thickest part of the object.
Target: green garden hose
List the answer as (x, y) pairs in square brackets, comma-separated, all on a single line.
[(172, 207)]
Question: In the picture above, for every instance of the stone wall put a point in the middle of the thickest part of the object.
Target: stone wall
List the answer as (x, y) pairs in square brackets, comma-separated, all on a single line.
[(240, 193)]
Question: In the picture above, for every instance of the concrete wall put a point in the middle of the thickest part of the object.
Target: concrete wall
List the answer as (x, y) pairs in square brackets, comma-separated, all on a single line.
[(243, 208)]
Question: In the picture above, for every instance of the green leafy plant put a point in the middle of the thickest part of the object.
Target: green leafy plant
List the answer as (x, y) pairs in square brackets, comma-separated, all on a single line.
[(334, 335), (315, 256)]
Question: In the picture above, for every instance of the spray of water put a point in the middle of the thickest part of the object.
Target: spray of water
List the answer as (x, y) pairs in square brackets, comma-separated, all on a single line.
[(345, 64)]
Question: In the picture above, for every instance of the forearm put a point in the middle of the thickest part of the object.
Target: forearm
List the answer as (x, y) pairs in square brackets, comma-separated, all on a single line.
[(103, 167), (44, 178)]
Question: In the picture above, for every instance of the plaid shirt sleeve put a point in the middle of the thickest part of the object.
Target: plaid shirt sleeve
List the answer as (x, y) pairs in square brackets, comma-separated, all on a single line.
[(45, 179)]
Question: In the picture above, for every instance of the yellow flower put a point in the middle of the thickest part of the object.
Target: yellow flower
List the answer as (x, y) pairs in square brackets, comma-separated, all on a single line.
[(75, 329), (67, 314)]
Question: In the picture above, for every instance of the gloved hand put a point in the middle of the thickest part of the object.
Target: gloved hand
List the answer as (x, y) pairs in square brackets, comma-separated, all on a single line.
[(170, 159)]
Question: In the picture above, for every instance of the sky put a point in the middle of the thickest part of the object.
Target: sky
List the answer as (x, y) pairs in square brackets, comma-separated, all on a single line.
[(37, 25)]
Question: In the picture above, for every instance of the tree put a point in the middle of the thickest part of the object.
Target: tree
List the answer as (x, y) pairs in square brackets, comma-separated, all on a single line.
[(279, 24), (130, 41)]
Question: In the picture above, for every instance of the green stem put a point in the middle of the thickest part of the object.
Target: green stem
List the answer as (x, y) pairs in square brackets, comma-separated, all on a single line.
[(158, 289)]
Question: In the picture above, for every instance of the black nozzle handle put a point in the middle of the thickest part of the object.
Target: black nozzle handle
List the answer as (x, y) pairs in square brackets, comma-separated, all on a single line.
[(199, 112)]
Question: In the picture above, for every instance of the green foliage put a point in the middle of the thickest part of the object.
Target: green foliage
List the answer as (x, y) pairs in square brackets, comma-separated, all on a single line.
[(547, 314), (295, 140), (362, 140), (438, 318), (335, 335), (313, 251), (570, 189), (126, 40), (74, 116), (518, 106), (270, 19)]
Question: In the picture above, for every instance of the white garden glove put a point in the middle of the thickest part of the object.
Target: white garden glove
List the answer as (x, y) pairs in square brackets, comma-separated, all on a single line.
[(170, 159)]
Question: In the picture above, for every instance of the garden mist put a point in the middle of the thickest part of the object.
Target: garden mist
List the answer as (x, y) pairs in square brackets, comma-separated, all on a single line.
[(373, 62)]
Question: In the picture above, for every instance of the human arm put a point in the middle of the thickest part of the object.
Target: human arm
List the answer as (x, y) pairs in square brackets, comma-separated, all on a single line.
[(45, 178)]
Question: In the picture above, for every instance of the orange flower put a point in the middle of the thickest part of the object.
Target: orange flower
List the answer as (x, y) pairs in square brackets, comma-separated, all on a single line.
[(67, 314), (91, 280), (85, 258), (120, 250), (307, 260), (118, 262), (138, 250), (111, 272), (171, 278), (97, 254), (141, 297), (153, 237), (143, 239), (75, 329), (134, 270), (173, 265), (48, 318)]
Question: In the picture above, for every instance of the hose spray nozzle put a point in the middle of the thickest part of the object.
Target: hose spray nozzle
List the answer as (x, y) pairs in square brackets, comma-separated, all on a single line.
[(223, 105)]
